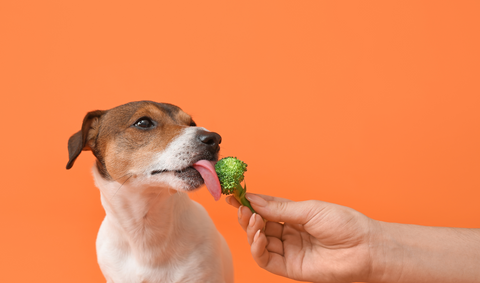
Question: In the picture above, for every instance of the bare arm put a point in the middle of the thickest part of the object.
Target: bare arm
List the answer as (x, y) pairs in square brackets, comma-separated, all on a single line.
[(411, 253)]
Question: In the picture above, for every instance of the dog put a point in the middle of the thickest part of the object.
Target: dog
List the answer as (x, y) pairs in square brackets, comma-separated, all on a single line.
[(148, 157)]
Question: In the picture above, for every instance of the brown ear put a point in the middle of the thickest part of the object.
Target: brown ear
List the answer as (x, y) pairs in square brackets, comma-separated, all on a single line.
[(78, 141)]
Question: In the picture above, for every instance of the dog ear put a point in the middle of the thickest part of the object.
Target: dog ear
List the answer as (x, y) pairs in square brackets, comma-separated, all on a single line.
[(79, 140)]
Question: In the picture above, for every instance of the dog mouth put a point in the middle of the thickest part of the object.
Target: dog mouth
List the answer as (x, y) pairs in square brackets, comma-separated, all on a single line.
[(155, 172), (185, 173), (212, 157), (191, 177)]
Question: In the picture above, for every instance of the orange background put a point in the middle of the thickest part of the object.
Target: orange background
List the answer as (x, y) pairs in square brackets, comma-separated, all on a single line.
[(372, 105)]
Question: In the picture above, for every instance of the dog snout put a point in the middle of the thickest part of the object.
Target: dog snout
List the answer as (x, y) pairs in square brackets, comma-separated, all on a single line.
[(210, 139)]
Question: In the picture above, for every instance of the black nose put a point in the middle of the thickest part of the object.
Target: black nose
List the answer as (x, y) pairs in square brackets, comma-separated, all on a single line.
[(210, 139)]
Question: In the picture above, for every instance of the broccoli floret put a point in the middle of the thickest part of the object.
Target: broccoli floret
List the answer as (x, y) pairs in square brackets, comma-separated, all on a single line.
[(230, 172)]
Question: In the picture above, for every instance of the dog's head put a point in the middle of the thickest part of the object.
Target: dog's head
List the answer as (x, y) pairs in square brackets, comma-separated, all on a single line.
[(151, 142)]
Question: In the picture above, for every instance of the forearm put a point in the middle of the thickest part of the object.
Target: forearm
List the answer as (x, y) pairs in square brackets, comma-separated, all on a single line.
[(411, 253)]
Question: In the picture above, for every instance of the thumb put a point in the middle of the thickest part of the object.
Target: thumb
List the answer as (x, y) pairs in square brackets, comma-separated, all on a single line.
[(285, 211)]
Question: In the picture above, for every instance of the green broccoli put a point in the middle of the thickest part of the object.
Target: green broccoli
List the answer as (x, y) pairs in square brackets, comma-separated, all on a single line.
[(230, 172)]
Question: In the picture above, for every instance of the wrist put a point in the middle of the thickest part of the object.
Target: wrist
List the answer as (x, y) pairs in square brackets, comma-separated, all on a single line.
[(386, 253)]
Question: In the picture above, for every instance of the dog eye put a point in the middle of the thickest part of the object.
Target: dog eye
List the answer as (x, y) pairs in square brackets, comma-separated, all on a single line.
[(144, 123)]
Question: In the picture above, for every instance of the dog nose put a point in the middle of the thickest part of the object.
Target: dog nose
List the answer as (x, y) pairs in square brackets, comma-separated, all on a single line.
[(210, 139)]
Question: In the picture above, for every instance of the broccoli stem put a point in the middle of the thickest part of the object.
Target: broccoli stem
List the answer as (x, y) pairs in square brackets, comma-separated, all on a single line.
[(239, 194)]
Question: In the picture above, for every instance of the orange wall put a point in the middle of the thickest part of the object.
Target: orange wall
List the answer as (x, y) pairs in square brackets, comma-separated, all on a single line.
[(370, 105)]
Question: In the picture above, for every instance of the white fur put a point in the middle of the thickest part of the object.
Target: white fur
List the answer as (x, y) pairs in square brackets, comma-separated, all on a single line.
[(178, 153), (152, 232)]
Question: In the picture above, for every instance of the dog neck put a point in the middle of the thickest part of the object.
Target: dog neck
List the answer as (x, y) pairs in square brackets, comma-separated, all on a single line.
[(143, 219)]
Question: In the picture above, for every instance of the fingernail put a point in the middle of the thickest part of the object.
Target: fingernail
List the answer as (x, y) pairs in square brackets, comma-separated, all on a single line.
[(240, 212), (256, 236), (227, 200), (256, 200), (251, 222)]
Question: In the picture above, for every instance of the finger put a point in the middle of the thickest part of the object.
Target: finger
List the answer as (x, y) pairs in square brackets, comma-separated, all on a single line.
[(273, 229), (270, 198), (286, 211), (244, 215), (254, 224), (232, 201), (275, 245), (272, 262)]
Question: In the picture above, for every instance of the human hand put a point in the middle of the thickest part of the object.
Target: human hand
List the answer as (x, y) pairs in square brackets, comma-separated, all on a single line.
[(318, 241)]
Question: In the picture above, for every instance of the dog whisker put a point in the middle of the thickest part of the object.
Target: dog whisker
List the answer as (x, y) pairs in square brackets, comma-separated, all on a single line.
[(122, 177), (120, 186), (156, 196)]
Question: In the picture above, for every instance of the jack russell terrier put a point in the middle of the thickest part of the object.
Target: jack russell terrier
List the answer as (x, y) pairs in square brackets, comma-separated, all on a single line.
[(148, 155)]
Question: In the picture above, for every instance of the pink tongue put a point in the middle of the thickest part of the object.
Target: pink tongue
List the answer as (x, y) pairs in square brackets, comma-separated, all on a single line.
[(207, 170)]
